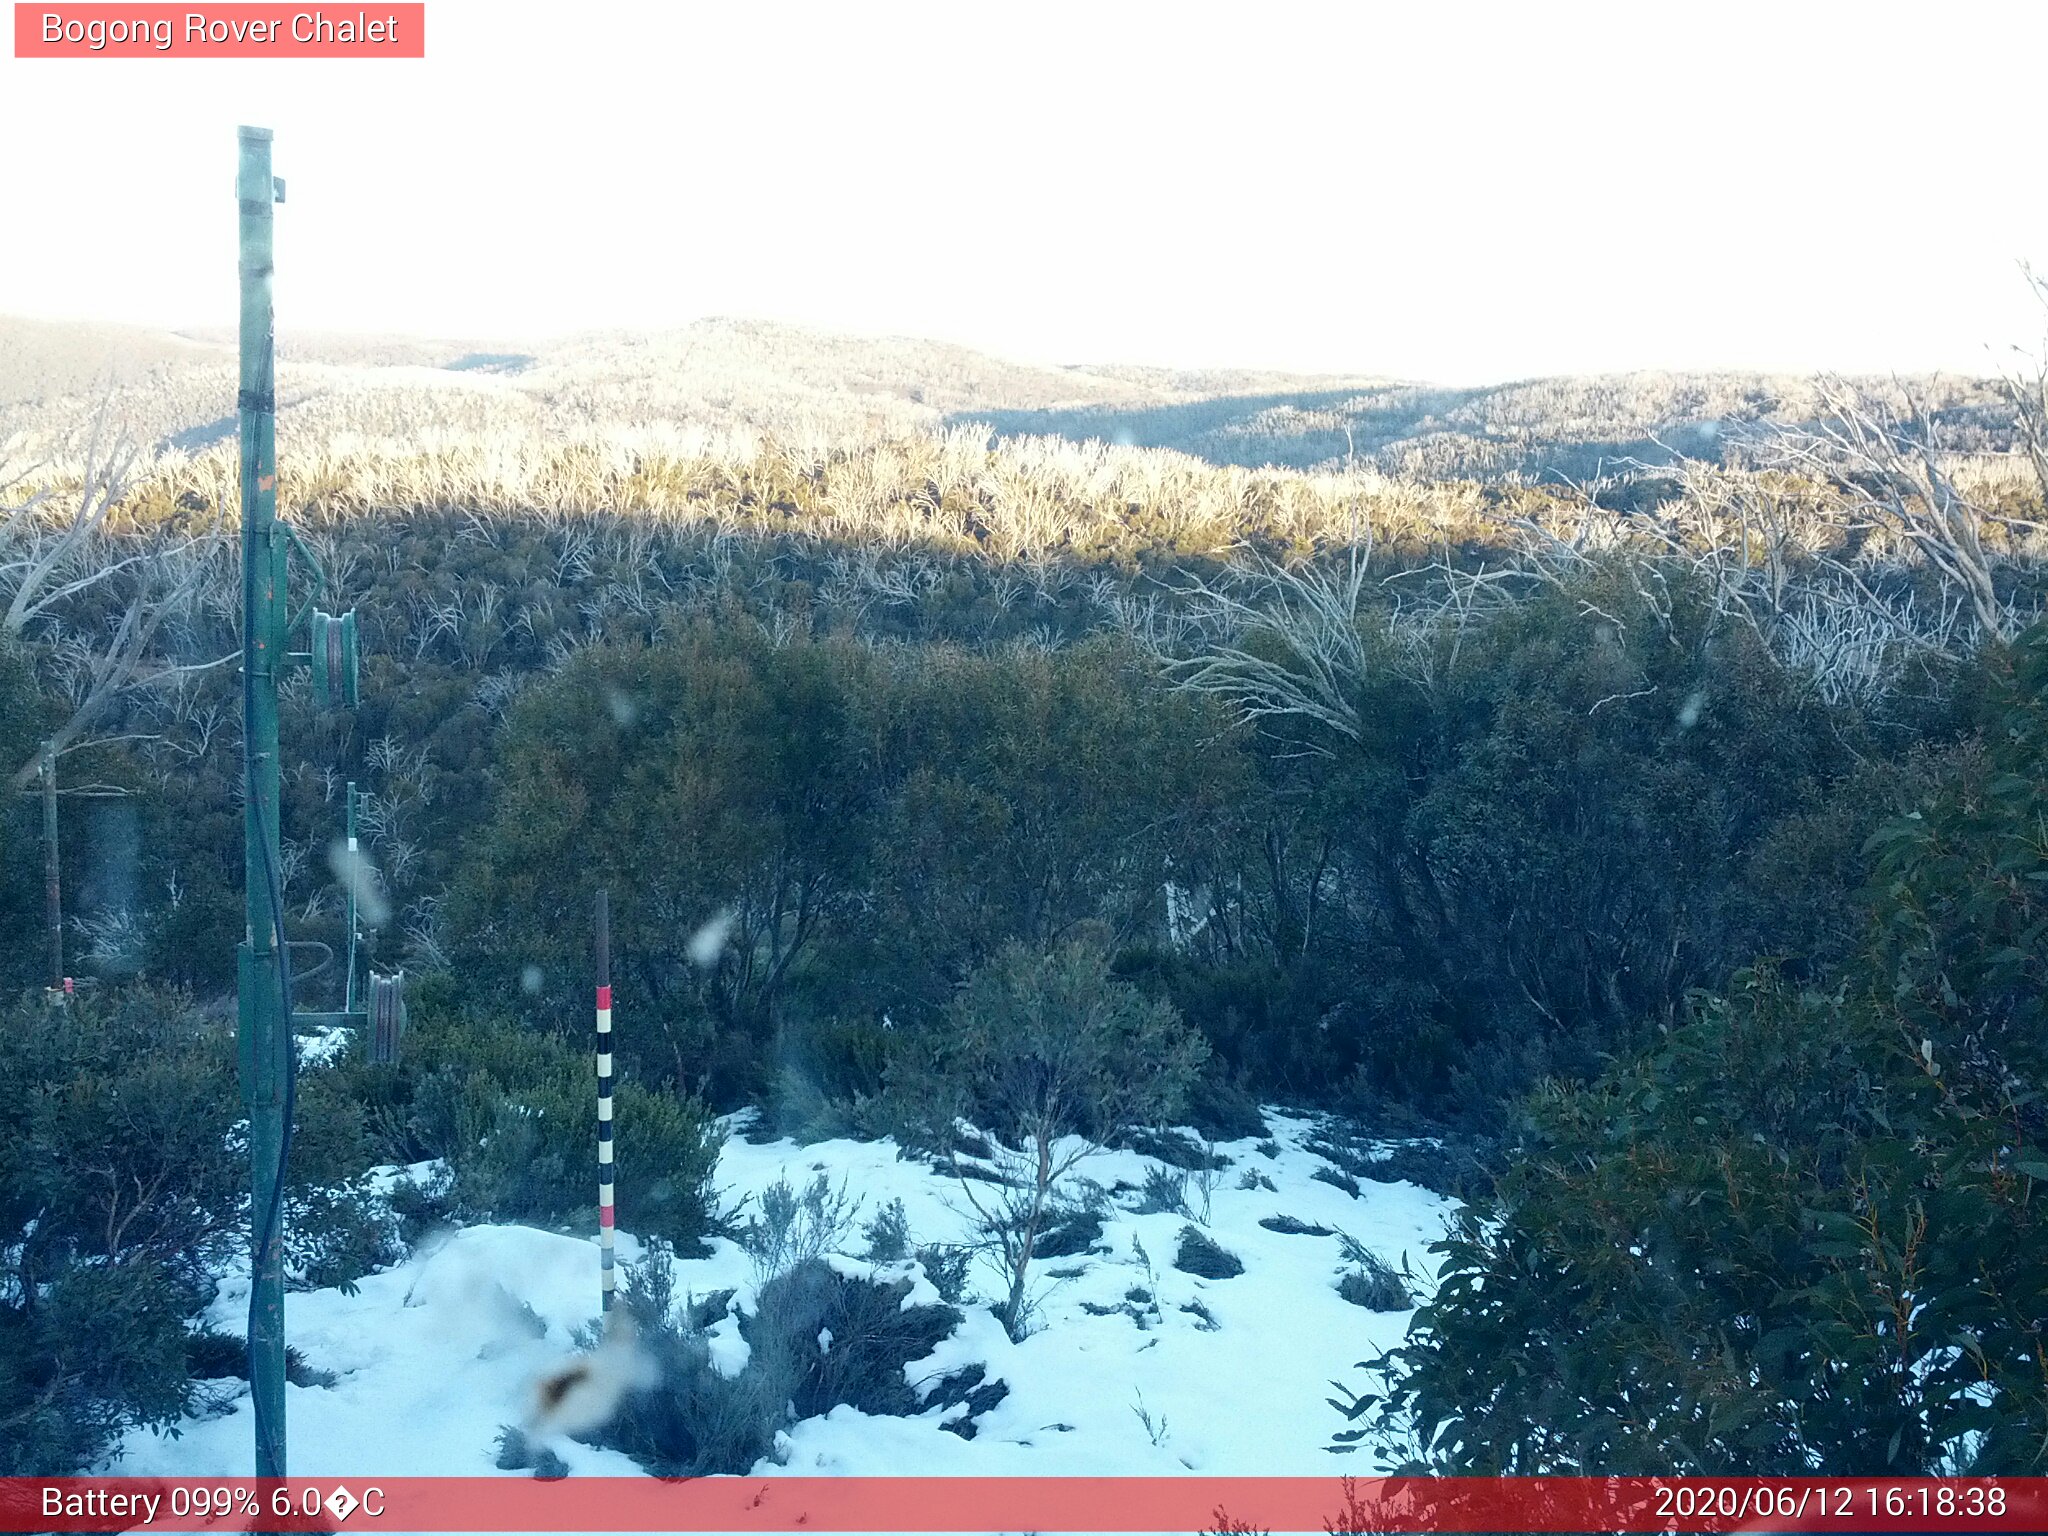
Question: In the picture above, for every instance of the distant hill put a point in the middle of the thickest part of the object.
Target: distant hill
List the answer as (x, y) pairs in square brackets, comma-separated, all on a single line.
[(45, 360), (756, 377), (1536, 429)]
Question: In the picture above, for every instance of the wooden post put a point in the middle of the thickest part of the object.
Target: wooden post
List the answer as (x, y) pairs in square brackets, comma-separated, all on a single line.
[(53, 890)]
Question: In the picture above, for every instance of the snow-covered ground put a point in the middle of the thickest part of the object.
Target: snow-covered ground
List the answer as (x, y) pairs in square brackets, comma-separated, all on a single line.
[(431, 1357)]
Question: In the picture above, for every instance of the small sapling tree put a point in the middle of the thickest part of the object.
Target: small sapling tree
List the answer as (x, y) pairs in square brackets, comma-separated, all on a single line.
[(1054, 1058)]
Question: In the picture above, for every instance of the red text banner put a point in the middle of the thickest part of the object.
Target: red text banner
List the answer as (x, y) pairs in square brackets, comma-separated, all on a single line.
[(813, 1504), (374, 31)]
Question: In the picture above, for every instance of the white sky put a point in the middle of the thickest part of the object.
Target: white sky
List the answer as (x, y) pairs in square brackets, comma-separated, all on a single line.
[(1453, 191)]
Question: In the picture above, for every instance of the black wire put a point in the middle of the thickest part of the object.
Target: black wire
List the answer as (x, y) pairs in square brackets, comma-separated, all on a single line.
[(326, 956)]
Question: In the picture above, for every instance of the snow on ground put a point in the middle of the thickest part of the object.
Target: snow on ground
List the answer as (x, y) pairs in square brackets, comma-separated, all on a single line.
[(431, 1357), (324, 1044)]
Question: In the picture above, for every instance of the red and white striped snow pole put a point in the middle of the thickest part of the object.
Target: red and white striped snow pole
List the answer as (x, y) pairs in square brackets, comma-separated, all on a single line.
[(609, 1279)]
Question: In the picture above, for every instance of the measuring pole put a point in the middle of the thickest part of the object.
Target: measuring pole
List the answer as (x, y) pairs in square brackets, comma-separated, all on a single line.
[(265, 1031), (53, 891), (607, 1278)]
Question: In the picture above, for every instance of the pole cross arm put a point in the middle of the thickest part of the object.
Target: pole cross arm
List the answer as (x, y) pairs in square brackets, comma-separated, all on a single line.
[(287, 535)]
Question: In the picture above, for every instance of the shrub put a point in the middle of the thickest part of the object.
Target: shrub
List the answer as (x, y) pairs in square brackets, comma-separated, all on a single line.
[(25, 714), (1803, 1233), (888, 1234), (832, 1339), (694, 1421), (1224, 1525), (1166, 1190), (1371, 1282), (817, 1339), (517, 1454), (213, 1355), (1325, 1174), (706, 779), (830, 1076), (1200, 1254), (337, 1229), (336, 1235), (794, 1229), (1073, 1220), (122, 1191), (1222, 1110), (1054, 1054), (1175, 1148), (968, 1388), (101, 1349), (1041, 792), (946, 1266), (1294, 1226), (1461, 1166), (422, 1206), (513, 1114), (117, 1190)]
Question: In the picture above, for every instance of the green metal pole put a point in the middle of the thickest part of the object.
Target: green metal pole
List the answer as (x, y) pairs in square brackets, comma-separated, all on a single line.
[(265, 1032)]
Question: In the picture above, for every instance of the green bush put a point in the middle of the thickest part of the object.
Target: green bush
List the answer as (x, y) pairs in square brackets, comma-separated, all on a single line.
[(946, 1265), (791, 1228), (336, 1228), (715, 779), (514, 1114), (691, 1419), (1599, 793), (1806, 1231), (120, 1195), (1052, 1046), (101, 1349), (1530, 847), (1165, 1191), (1038, 796), (1694, 1266), (1371, 1282), (24, 715), (887, 1234), (1056, 1058), (830, 1076), (872, 1336), (1200, 1254), (816, 1339)]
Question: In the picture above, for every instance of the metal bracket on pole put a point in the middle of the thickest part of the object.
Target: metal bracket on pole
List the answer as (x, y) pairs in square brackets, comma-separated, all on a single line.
[(387, 1017), (333, 655)]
